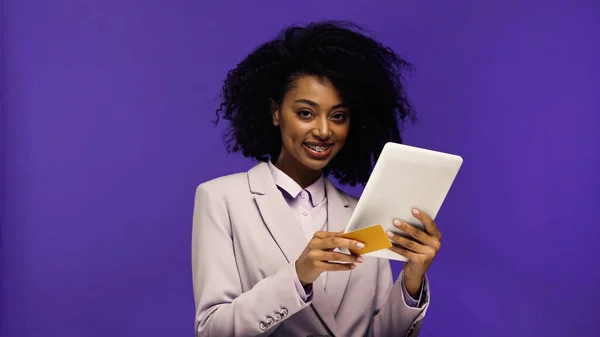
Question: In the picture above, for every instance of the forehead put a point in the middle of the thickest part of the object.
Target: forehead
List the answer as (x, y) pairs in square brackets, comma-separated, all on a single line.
[(313, 88)]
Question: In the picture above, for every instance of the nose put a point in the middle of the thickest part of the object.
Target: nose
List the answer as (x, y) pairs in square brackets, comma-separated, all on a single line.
[(322, 130)]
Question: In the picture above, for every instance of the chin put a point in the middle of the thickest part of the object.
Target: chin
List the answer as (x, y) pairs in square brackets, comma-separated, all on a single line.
[(316, 165)]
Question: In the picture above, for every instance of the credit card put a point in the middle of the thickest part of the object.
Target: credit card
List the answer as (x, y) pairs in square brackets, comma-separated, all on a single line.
[(374, 238)]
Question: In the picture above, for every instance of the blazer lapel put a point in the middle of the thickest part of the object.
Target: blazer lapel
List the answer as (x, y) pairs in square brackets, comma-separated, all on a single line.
[(338, 213), (283, 226)]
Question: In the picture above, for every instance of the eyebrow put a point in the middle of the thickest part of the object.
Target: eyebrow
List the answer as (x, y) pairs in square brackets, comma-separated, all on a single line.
[(314, 104)]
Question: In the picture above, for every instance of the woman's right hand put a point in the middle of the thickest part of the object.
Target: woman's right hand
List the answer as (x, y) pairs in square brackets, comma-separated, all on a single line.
[(318, 255)]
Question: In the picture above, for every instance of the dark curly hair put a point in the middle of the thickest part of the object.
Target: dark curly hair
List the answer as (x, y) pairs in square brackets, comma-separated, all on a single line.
[(367, 75)]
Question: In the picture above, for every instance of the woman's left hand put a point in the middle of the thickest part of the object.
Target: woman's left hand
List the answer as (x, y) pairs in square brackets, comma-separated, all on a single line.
[(420, 250)]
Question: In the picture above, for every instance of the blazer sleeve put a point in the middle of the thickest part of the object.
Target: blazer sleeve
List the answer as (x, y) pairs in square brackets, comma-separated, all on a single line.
[(393, 316), (222, 309)]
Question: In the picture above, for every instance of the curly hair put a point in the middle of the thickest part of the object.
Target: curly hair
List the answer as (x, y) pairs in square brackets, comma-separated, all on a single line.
[(368, 76)]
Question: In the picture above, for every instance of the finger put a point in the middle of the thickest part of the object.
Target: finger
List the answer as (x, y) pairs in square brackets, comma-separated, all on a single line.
[(412, 231), (338, 242), (339, 257), (418, 235), (325, 255), (334, 266), (411, 256), (323, 234), (430, 226), (411, 245)]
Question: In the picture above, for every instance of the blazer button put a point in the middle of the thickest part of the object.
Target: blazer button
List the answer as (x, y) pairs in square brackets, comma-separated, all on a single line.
[(270, 320), (278, 317), (263, 326), (284, 312)]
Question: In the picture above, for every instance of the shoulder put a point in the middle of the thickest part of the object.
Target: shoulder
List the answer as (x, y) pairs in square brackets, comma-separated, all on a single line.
[(224, 185)]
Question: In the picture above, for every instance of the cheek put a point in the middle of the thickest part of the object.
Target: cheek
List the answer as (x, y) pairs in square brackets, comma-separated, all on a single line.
[(291, 133)]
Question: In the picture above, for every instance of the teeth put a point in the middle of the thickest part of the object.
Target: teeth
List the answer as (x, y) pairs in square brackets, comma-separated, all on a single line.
[(317, 148)]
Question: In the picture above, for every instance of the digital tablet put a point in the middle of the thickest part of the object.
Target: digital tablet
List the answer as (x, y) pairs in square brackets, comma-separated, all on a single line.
[(403, 178)]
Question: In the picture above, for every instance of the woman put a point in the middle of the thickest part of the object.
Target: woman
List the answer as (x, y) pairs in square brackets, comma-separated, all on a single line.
[(316, 101)]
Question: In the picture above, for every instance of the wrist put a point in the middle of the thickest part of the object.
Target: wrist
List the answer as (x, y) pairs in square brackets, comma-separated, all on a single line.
[(413, 284), (302, 282)]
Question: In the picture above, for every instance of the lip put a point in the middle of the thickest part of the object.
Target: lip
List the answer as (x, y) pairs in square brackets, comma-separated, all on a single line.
[(319, 144), (317, 155)]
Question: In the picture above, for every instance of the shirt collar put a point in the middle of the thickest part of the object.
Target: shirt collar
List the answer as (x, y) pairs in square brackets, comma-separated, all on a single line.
[(284, 182)]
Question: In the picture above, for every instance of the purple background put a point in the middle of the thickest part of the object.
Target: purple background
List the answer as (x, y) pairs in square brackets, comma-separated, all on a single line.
[(106, 109)]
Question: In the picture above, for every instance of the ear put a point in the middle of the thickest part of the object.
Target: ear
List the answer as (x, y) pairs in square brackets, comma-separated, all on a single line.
[(275, 113)]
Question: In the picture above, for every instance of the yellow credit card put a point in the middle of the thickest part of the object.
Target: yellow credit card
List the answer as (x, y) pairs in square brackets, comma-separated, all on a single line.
[(374, 238)]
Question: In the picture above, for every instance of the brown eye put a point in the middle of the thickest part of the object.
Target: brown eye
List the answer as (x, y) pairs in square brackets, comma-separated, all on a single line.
[(339, 117), (304, 113)]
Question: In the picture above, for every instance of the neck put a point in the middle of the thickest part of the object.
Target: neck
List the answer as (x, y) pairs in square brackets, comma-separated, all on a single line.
[(301, 175)]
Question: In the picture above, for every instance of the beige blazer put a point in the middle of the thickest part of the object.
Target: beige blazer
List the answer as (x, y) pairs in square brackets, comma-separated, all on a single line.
[(245, 241)]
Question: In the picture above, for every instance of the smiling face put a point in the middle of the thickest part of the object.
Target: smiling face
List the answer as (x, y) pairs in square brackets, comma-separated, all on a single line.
[(314, 123)]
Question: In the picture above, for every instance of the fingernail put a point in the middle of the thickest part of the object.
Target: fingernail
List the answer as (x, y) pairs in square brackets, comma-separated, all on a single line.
[(415, 211), (397, 223), (360, 245), (359, 259), (353, 266), (390, 234)]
